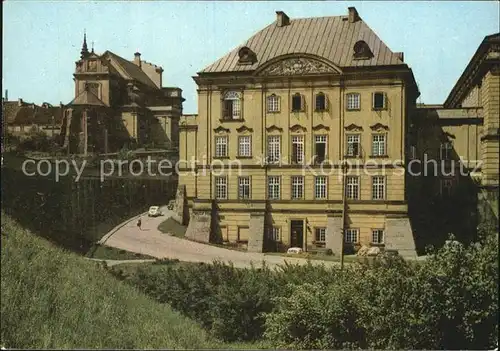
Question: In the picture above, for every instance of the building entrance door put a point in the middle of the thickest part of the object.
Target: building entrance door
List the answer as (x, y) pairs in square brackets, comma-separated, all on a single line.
[(297, 233)]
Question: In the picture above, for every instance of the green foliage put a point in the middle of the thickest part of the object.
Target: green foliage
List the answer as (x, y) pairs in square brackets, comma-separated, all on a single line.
[(448, 301), (57, 300)]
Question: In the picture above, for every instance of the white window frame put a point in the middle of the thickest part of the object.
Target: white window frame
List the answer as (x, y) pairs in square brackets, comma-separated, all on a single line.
[(350, 234), (320, 139), (297, 187), (273, 148), (221, 187), (244, 182), (378, 236), (320, 187), (273, 103), (352, 187), (299, 141), (384, 104), (325, 104), (275, 234), (245, 146), (353, 101), (379, 144), (320, 235), (235, 97), (352, 139), (273, 187), (378, 187), (221, 146)]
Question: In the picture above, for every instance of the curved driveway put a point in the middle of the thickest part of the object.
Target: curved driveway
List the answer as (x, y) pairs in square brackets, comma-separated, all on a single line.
[(150, 241)]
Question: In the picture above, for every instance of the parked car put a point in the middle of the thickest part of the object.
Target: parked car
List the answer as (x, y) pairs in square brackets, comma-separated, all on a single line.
[(154, 211)]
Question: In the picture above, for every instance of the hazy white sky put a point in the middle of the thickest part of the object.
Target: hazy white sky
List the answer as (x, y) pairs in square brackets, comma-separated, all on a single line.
[(42, 39)]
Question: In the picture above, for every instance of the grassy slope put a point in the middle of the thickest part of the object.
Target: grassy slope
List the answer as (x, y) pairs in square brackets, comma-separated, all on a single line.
[(111, 253), (51, 298)]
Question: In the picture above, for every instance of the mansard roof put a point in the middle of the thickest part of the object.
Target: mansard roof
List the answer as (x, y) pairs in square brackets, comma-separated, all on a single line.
[(332, 39)]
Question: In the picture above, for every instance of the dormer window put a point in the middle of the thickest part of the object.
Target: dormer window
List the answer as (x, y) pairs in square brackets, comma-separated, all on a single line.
[(232, 105), (362, 51), (246, 56), (320, 102)]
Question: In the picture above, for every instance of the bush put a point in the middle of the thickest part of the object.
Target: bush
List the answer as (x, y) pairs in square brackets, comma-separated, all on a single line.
[(448, 301)]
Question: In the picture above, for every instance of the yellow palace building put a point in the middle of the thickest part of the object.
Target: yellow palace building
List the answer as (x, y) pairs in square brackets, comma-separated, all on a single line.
[(279, 119)]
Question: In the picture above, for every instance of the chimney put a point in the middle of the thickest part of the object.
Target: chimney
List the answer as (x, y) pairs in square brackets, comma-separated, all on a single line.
[(19, 102), (282, 19), (353, 15), (137, 59)]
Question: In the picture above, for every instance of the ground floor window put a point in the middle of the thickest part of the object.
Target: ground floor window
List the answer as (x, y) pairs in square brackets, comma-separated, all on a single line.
[(275, 234), (320, 235), (377, 236), (351, 236)]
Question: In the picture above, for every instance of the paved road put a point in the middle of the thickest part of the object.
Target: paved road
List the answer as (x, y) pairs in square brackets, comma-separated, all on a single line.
[(150, 241)]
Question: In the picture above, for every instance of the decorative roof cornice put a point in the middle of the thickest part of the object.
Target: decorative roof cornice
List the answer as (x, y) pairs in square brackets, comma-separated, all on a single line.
[(476, 66)]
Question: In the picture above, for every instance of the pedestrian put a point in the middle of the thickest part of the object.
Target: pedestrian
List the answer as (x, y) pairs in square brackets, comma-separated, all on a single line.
[(139, 223)]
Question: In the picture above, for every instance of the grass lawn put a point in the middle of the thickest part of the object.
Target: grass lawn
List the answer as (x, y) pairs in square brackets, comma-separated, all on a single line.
[(172, 227), (55, 299), (111, 253)]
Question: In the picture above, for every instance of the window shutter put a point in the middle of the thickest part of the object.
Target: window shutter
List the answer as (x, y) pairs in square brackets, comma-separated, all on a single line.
[(302, 103), (278, 99), (327, 102)]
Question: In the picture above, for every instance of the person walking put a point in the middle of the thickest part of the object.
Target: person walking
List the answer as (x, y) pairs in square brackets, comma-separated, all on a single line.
[(139, 223)]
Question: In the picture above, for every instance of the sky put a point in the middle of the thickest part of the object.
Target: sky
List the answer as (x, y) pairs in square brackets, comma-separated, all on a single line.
[(42, 39)]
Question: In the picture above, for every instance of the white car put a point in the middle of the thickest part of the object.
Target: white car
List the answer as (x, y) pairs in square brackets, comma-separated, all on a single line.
[(154, 211)]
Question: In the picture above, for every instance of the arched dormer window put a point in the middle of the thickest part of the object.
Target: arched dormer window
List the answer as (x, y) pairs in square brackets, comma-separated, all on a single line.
[(321, 102), (232, 106), (273, 103), (362, 51), (297, 102), (246, 56)]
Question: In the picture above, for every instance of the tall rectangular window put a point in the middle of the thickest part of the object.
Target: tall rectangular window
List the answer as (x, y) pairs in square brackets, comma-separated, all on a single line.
[(297, 187), (221, 188), (296, 102), (379, 101), (353, 145), (273, 103), (273, 148), (245, 146), (378, 187), (377, 236), (273, 187), (353, 101), (221, 146), (445, 150), (352, 187), (320, 186), (275, 234), (244, 188), (351, 236), (320, 235), (298, 149), (320, 148), (378, 145)]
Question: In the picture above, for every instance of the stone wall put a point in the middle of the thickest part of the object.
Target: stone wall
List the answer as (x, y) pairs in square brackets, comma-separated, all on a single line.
[(256, 227), (334, 237), (180, 205), (399, 236), (199, 227)]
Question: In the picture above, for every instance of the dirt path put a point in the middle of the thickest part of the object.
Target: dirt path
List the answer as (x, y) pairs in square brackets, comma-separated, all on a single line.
[(150, 241)]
